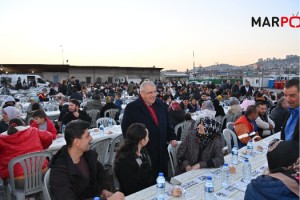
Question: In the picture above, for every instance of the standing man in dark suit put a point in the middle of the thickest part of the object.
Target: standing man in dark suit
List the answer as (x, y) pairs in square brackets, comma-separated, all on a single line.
[(290, 129), (246, 88), (152, 112)]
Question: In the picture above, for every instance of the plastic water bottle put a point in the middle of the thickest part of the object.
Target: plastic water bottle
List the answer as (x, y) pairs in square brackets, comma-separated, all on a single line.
[(208, 189), (63, 129), (249, 148), (101, 128), (110, 122), (247, 171), (96, 198), (225, 176), (235, 155), (160, 187)]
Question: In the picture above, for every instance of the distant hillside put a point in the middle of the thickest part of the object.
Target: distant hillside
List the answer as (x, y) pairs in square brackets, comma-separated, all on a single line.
[(222, 67)]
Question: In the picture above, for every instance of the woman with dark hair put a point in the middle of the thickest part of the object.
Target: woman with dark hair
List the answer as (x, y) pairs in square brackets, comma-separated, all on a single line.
[(218, 108), (18, 140), (132, 164), (202, 147)]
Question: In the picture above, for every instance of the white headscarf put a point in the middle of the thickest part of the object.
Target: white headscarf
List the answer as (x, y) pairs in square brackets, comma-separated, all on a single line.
[(12, 112)]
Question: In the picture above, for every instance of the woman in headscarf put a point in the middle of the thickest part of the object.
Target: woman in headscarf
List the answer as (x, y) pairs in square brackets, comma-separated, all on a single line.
[(208, 109), (202, 147), (282, 179), (8, 113)]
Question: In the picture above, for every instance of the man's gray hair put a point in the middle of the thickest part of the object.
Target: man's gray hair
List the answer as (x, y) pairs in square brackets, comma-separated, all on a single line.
[(146, 83)]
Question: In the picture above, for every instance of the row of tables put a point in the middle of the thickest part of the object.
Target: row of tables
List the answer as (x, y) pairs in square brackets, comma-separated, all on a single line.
[(109, 132), (193, 181)]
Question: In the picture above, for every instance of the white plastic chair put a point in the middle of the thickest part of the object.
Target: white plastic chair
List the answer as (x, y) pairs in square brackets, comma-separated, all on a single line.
[(93, 114), (111, 113), (173, 156), (101, 147), (104, 121), (230, 125), (31, 164), (47, 190), (184, 126), (121, 118), (219, 118), (228, 136), (117, 140), (223, 121)]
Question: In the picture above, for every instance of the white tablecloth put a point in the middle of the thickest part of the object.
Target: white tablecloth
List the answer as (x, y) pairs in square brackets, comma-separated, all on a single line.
[(194, 181), (109, 133)]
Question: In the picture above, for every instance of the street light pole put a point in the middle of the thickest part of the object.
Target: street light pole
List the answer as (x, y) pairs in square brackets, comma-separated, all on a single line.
[(62, 54)]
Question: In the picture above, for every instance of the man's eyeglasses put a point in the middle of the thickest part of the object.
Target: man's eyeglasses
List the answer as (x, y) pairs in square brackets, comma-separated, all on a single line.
[(150, 93)]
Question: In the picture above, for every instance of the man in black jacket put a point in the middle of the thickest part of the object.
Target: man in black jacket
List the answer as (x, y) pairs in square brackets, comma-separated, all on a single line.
[(279, 113), (75, 172), (246, 88), (152, 112), (75, 113)]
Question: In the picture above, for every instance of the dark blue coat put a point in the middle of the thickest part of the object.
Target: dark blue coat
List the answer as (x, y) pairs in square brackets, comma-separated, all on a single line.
[(267, 187), (137, 112)]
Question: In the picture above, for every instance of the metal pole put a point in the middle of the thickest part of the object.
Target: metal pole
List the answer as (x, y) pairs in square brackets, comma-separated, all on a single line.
[(62, 54)]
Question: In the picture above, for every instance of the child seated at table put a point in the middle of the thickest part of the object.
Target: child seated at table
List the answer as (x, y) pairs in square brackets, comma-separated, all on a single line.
[(41, 122), (18, 140), (132, 165)]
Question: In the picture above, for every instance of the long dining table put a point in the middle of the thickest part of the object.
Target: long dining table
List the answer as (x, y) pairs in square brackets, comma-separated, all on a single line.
[(109, 132), (192, 182)]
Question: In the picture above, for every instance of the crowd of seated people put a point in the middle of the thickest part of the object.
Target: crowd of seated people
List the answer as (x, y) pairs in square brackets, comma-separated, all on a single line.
[(262, 113)]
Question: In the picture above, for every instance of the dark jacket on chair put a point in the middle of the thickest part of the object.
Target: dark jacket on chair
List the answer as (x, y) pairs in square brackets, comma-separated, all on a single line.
[(68, 183)]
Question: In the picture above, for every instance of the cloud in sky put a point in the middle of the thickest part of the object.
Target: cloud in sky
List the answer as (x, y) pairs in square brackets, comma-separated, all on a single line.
[(143, 33)]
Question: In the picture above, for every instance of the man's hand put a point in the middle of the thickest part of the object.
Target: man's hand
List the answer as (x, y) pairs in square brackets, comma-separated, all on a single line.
[(106, 194), (117, 196), (173, 143), (188, 168), (197, 166)]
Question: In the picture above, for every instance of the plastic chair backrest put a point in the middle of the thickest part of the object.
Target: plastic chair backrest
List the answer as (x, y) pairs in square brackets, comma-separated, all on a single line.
[(101, 147), (229, 135), (223, 121), (32, 165), (117, 140), (219, 118), (173, 156), (184, 129), (104, 121), (93, 114), (111, 113), (47, 189), (121, 118), (237, 116), (230, 125)]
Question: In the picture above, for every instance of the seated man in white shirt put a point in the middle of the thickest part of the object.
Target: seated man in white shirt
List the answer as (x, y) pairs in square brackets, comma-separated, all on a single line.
[(264, 123)]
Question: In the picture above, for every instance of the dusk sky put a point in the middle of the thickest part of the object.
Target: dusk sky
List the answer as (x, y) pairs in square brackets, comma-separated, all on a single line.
[(144, 33)]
